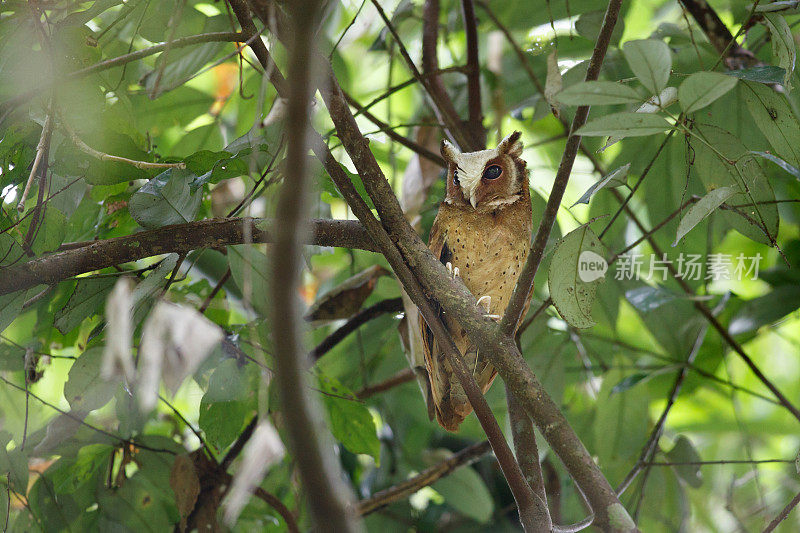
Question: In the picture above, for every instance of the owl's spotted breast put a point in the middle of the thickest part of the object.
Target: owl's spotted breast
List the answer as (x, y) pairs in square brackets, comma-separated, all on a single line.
[(489, 249)]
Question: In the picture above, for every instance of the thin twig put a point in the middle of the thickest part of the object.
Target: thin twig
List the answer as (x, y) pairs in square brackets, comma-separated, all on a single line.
[(442, 105), (652, 442), (389, 130), (426, 478), (784, 514), (404, 376), (143, 165), (389, 305), (41, 149)]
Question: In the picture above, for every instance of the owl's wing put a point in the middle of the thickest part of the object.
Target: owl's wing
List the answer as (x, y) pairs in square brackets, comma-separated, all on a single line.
[(438, 245), (433, 358)]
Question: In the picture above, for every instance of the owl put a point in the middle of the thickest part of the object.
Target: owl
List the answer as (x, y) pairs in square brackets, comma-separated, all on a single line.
[(482, 233)]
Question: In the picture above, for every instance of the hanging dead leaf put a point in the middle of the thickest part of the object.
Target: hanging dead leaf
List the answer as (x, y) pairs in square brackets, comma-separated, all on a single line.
[(344, 300), (553, 84), (186, 486)]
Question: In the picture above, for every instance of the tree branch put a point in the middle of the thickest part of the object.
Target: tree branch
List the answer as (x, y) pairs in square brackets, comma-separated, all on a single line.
[(719, 35), (178, 238), (428, 477), (475, 121), (783, 514), (390, 305), (525, 445), (404, 376), (328, 496)]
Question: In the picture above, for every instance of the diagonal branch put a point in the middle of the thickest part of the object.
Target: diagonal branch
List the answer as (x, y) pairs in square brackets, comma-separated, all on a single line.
[(524, 286), (426, 478), (719, 35)]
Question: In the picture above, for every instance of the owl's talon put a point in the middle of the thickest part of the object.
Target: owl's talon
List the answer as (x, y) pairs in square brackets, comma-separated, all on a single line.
[(453, 271), (485, 301)]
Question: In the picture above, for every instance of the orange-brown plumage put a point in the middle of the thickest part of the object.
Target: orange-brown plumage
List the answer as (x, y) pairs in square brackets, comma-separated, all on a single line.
[(483, 229)]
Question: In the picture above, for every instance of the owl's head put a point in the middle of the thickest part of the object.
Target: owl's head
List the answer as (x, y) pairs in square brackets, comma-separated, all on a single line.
[(487, 179)]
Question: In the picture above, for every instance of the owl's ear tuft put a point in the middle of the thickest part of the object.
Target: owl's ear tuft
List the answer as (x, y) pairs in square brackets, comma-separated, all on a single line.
[(511, 145), (449, 152)]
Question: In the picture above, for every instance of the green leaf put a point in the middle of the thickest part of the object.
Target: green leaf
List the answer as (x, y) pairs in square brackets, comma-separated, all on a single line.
[(787, 6), (588, 25), (204, 160), (179, 69), (615, 178), (135, 506), (87, 299), (619, 426), (765, 309), (350, 421), (598, 93), (625, 124), (684, 452), (51, 232), (650, 62), (783, 46), (700, 210), (775, 119), (15, 463), (730, 164), (465, 491), (702, 88), (647, 298), (221, 421), (250, 270), (223, 409), (628, 382), (575, 271), (768, 74), (85, 390), (10, 307), (166, 199)]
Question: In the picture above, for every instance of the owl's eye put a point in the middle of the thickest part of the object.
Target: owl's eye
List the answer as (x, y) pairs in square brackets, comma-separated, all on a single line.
[(492, 172), (455, 177)]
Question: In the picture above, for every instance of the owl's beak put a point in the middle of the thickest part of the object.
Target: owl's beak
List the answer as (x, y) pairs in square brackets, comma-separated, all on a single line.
[(473, 200)]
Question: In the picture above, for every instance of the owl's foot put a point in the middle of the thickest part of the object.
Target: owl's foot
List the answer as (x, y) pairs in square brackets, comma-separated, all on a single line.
[(486, 302), (454, 273)]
